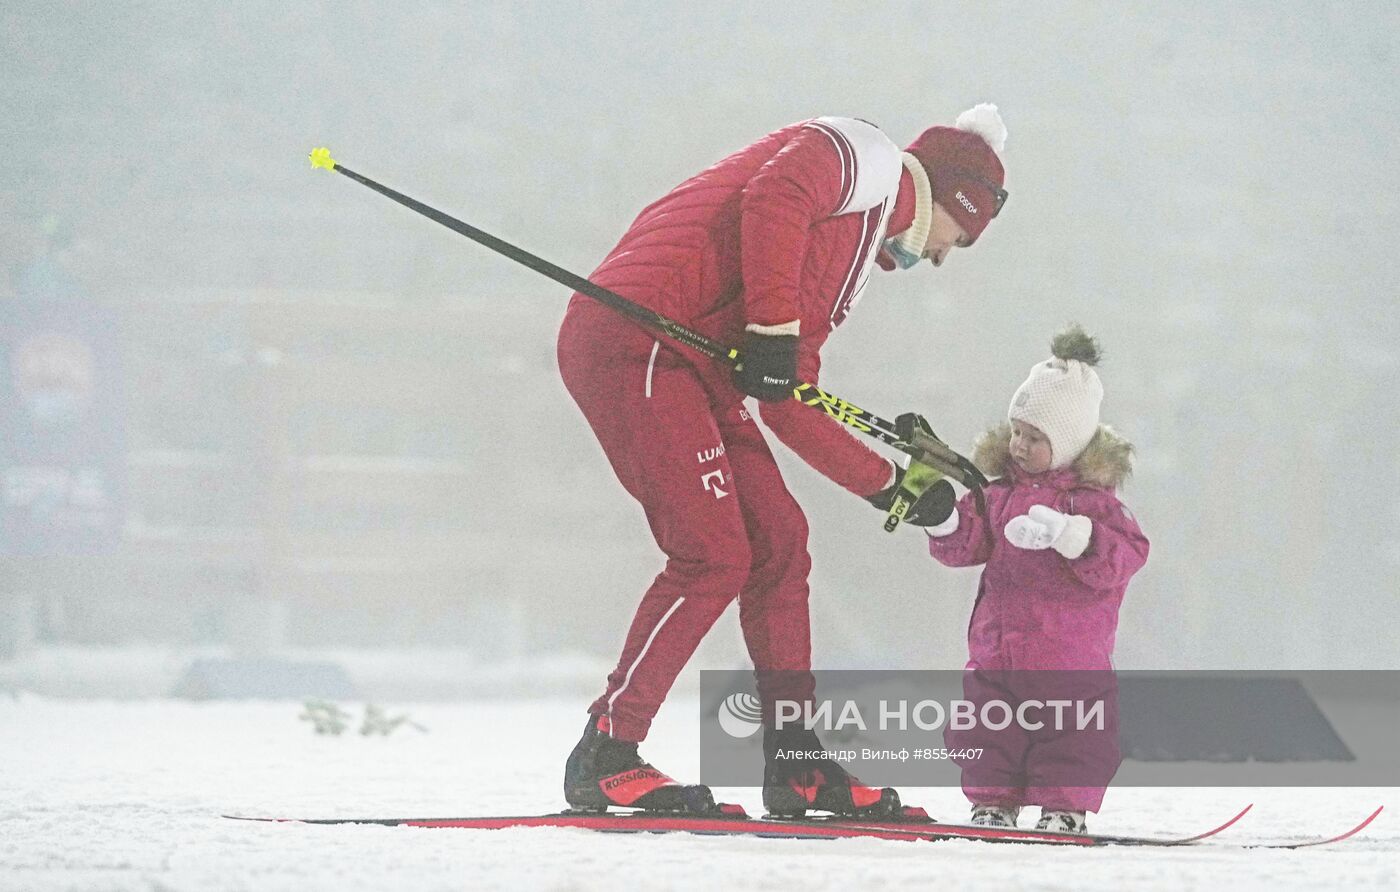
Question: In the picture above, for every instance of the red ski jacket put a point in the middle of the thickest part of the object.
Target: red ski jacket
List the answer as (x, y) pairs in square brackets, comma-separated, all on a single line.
[(785, 229)]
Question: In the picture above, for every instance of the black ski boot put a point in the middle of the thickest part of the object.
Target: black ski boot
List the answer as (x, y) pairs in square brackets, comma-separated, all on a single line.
[(798, 777), (603, 772)]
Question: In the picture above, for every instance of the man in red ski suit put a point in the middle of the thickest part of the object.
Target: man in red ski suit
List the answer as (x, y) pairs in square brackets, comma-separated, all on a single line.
[(770, 248)]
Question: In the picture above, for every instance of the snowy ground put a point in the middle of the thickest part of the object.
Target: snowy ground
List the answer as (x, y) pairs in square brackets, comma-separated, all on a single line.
[(127, 795)]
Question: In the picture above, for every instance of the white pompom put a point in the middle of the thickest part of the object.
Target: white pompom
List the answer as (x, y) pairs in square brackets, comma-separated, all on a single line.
[(984, 120)]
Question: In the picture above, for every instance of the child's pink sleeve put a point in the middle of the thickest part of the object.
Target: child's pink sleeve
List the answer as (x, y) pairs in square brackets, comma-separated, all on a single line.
[(1117, 547), (968, 545)]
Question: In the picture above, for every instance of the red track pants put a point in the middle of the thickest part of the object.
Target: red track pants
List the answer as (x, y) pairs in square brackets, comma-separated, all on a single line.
[(689, 452)]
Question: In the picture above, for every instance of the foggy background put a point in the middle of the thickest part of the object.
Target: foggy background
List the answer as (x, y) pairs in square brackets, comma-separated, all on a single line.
[(269, 411)]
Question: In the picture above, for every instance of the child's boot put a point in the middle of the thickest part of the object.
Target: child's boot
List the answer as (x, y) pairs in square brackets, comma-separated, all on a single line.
[(1058, 821), (995, 815)]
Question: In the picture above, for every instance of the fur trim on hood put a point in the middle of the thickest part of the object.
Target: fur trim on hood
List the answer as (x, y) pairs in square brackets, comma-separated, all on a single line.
[(1107, 460)]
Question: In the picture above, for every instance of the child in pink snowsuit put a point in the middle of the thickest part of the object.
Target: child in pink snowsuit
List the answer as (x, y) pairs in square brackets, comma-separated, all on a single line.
[(1059, 549)]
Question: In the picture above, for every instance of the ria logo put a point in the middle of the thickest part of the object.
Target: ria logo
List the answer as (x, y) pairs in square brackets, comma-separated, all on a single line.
[(740, 715), (966, 202)]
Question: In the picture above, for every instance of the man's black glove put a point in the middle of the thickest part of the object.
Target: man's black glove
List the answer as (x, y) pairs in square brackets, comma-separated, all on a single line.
[(907, 423), (769, 369), (932, 508)]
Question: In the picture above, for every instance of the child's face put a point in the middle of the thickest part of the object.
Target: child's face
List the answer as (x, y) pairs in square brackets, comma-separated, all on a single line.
[(1030, 448)]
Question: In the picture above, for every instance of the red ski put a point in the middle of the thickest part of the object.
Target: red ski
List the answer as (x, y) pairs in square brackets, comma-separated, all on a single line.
[(1322, 842), (731, 820), (918, 825)]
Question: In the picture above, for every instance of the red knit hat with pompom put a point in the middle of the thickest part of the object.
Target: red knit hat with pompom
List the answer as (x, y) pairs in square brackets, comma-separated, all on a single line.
[(964, 166)]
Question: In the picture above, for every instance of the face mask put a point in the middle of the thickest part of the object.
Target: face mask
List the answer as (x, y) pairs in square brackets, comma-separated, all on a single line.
[(903, 258), (907, 248)]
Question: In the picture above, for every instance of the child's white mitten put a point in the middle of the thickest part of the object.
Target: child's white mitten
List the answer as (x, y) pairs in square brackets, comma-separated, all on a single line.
[(1044, 527)]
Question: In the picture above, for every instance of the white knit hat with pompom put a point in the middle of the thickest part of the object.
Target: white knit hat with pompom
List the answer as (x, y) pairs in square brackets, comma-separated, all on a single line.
[(1062, 395)]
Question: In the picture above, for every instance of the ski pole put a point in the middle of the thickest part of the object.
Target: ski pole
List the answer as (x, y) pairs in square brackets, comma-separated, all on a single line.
[(922, 447)]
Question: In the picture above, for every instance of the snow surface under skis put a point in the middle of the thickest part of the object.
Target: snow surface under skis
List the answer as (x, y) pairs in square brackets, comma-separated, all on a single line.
[(127, 795)]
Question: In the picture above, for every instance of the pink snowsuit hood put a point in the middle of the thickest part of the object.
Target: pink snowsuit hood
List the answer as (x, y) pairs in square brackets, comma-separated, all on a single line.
[(1107, 461)]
